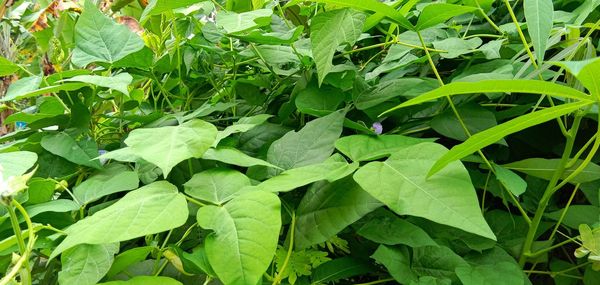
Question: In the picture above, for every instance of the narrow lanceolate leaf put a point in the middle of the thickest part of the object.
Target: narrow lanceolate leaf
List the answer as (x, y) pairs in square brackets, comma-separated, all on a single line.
[(165, 147), (152, 209), (438, 13), (7, 67), (401, 183), (86, 264), (348, 25), (246, 231), (490, 86), (100, 39), (366, 5), (492, 135), (539, 15), (327, 208)]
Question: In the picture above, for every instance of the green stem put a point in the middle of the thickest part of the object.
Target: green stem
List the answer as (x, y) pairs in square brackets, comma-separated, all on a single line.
[(564, 212), (278, 277), (537, 218)]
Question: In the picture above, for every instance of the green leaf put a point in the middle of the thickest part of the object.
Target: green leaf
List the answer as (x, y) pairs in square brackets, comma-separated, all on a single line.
[(241, 126), (23, 94), (348, 25), (448, 198), (234, 157), (165, 147), (384, 227), (312, 144), (145, 280), (86, 264), (16, 163), (216, 185), (369, 147), (473, 116), (586, 72), (545, 169), (298, 177), (436, 261), (118, 82), (113, 179), (539, 15), (152, 209), (99, 39), (234, 23), (80, 152), (246, 231), (127, 258), (57, 206), (22, 86), (366, 5), (319, 101), (157, 7), (500, 273), (492, 135), (438, 13), (397, 261), (489, 86), (456, 47), (341, 268), (327, 208), (7, 67), (511, 181)]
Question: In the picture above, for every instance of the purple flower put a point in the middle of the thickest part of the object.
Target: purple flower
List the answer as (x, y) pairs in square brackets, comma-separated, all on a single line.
[(377, 128)]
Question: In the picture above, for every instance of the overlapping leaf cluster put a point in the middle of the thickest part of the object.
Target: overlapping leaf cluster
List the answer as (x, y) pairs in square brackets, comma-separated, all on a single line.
[(299, 142)]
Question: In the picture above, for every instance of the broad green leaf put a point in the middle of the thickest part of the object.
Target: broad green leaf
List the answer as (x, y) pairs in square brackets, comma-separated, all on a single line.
[(242, 125), (80, 152), (538, 15), (368, 147), (492, 135), (127, 258), (348, 25), (489, 86), (115, 178), (238, 22), (246, 231), (86, 264), (438, 13), (366, 5), (165, 147), (7, 67), (384, 227), (319, 101), (152, 209), (22, 86), (272, 38), (500, 273), (145, 280), (44, 90), (436, 261), (397, 261), (16, 163), (119, 82), (511, 181), (448, 198), (545, 169), (386, 90), (100, 39), (586, 72), (456, 47), (341, 268), (589, 239), (473, 116), (298, 177), (157, 7), (312, 144), (234, 157), (216, 185), (576, 215), (57, 206), (327, 208)]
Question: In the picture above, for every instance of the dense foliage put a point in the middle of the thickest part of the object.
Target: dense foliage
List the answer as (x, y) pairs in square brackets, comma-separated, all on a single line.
[(300, 142)]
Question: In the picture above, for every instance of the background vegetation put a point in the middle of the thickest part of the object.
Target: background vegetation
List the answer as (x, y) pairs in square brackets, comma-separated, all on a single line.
[(300, 142)]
